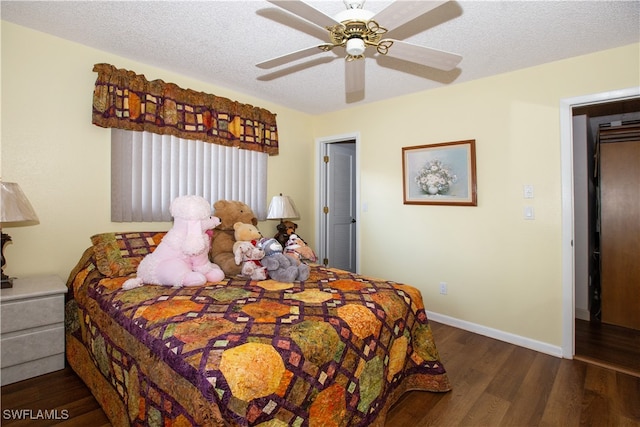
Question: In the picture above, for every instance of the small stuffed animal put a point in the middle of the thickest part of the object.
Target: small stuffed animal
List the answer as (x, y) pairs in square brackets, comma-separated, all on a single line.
[(285, 229), (298, 248), (246, 253), (281, 267), (182, 257)]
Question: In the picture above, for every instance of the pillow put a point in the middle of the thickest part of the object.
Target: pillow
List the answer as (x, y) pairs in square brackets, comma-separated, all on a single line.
[(118, 254)]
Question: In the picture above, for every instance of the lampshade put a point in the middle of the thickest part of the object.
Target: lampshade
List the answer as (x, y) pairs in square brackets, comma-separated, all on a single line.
[(15, 205), (282, 207)]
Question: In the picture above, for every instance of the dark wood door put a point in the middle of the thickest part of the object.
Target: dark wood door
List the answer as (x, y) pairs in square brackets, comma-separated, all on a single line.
[(620, 232)]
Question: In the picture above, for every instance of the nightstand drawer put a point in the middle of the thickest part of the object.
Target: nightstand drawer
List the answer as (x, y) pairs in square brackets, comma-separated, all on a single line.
[(26, 314), (32, 329), (31, 369), (30, 346)]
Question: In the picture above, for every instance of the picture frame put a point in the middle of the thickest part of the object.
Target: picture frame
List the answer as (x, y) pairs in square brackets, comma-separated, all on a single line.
[(440, 174)]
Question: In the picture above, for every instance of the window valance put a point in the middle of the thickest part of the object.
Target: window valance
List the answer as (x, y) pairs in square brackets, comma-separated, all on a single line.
[(126, 100)]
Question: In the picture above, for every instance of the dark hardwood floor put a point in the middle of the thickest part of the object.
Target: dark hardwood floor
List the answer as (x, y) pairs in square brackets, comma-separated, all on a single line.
[(608, 345), (62, 393), (494, 384)]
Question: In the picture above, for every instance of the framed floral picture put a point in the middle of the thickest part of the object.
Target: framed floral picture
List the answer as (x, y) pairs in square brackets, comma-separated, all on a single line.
[(440, 174)]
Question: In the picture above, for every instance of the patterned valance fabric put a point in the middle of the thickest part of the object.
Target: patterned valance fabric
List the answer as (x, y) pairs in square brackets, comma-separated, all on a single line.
[(126, 100)]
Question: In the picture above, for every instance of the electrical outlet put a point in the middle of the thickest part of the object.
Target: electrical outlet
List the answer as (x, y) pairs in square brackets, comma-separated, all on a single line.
[(443, 288)]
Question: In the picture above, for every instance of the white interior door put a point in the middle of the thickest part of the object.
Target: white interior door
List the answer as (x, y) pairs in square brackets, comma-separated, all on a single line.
[(340, 205)]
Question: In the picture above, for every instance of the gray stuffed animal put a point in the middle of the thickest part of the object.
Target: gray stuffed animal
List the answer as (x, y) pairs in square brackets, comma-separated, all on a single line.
[(281, 267)]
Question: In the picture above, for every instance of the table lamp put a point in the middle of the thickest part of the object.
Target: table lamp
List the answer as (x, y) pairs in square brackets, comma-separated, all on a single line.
[(282, 207), (15, 208)]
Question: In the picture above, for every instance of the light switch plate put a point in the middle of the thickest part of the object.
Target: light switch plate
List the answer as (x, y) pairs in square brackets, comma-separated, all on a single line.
[(528, 191), (528, 212)]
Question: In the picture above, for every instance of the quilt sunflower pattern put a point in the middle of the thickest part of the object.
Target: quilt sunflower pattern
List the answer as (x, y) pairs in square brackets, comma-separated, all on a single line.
[(336, 350)]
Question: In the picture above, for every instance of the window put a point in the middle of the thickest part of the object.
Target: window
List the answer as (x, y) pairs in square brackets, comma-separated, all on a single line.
[(149, 170)]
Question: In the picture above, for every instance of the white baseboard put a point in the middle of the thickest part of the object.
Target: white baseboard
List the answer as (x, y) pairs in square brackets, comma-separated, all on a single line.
[(583, 314), (542, 347)]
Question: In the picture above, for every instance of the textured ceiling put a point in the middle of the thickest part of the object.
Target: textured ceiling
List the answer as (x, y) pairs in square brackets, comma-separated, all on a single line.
[(221, 41)]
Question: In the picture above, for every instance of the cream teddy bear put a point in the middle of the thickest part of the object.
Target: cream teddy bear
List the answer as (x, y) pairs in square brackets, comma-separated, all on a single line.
[(246, 253)]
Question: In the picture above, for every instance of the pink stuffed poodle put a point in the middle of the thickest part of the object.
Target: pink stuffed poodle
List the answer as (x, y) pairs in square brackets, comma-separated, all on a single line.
[(182, 257)]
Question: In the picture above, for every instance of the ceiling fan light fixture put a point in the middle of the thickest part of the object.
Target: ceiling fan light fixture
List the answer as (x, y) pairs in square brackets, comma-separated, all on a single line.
[(355, 46)]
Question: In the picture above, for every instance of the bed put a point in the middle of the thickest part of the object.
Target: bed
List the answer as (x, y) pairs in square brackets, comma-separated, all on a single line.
[(335, 350)]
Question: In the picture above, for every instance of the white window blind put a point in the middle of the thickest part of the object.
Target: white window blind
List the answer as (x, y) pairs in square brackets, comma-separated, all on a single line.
[(149, 170)]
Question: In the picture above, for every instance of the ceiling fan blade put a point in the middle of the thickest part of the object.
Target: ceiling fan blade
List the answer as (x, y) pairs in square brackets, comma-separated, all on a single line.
[(306, 11), (434, 58), (400, 12), (354, 75), (293, 56)]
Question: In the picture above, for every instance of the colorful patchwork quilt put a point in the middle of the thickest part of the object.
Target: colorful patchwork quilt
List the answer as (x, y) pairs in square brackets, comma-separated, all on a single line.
[(335, 350)]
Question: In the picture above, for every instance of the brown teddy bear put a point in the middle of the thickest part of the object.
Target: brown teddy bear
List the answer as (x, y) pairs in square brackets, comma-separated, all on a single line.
[(221, 253), (285, 229)]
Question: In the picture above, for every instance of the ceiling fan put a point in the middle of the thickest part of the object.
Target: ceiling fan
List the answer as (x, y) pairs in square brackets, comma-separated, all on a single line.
[(356, 29)]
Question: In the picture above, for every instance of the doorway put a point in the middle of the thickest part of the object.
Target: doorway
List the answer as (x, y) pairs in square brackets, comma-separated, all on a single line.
[(578, 244), (606, 220), (605, 197), (337, 214)]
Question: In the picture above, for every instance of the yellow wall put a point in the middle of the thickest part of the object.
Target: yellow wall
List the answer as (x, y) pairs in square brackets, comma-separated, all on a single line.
[(502, 272), (61, 160)]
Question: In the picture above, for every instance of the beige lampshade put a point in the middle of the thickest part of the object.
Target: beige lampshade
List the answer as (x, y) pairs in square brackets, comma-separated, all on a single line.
[(282, 207), (15, 205)]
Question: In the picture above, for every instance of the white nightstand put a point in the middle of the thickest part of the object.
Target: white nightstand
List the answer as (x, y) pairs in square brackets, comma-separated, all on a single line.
[(32, 328)]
